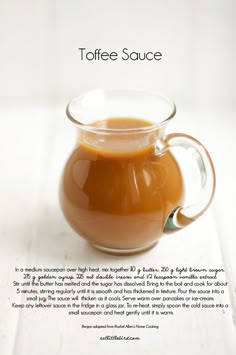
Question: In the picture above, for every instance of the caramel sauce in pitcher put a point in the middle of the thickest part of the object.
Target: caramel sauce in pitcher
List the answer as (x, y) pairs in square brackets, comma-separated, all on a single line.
[(118, 198)]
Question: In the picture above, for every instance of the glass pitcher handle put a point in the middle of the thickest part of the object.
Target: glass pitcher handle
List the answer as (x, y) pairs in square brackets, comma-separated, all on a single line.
[(180, 217)]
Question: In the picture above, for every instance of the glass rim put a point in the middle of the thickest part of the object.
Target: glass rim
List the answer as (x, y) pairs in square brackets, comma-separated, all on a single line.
[(96, 129)]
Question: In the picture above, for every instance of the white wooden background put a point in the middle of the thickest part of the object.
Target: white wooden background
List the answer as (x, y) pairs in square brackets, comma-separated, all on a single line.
[(34, 233), (39, 72)]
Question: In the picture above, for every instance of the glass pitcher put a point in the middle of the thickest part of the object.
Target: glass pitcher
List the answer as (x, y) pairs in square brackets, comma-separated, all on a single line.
[(122, 186)]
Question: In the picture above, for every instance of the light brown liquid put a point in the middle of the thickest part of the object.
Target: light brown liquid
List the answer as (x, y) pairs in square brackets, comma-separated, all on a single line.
[(120, 199)]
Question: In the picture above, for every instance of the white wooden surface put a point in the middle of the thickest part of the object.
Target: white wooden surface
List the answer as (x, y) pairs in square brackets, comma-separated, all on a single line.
[(35, 141), (40, 61)]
